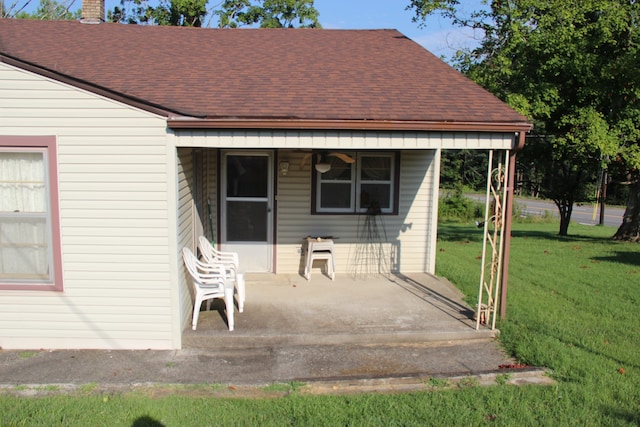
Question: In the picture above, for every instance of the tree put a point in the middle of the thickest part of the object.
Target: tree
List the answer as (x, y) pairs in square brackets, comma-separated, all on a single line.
[(47, 9), (187, 13), (192, 13), (465, 169), (628, 162), (566, 164), (268, 14), (229, 13), (51, 9), (562, 65)]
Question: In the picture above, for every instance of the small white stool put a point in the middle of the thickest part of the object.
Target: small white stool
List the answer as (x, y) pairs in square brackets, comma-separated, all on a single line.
[(320, 249)]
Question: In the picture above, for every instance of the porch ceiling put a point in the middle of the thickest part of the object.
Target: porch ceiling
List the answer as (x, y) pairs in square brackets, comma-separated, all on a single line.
[(343, 139)]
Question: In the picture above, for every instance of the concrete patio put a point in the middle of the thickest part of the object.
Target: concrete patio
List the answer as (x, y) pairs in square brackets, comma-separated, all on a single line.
[(288, 309), (378, 327)]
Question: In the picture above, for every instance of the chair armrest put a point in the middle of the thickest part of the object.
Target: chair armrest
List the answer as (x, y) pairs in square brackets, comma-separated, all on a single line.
[(227, 258), (211, 268)]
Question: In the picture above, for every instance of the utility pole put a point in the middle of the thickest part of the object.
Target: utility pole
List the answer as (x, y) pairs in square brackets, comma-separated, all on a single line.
[(603, 194)]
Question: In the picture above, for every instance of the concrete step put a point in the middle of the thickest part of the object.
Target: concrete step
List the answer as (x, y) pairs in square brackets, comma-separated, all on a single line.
[(233, 340)]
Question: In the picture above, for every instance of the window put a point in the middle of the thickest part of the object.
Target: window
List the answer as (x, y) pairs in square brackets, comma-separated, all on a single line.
[(367, 185), (30, 255)]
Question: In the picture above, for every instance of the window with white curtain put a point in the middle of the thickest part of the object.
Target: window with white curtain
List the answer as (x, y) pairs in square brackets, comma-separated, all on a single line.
[(369, 185), (27, 257)]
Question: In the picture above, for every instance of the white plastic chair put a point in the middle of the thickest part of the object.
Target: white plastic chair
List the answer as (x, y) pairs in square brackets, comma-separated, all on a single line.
[(209, 282), (231, 264)]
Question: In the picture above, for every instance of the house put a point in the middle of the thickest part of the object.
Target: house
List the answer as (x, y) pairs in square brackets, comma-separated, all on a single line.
[(121, 144)]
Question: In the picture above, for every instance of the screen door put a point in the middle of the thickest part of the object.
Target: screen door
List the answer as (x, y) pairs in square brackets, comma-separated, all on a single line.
[(247, 217)]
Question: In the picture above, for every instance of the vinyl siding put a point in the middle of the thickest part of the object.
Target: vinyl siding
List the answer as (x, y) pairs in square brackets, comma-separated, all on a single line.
[(211, 194), (116, 193), (192, 217), (185, 232)]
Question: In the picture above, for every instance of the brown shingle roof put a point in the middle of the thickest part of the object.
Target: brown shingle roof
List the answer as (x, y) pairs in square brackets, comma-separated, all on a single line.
[(369, 76)]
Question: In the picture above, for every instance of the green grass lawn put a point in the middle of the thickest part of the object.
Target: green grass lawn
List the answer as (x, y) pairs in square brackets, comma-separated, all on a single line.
[(572, 307)]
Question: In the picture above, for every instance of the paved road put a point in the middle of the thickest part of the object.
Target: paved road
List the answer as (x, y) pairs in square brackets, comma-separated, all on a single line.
[(583, 214)]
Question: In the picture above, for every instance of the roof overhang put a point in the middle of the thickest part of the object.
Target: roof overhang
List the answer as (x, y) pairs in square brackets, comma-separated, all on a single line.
[(374, 125), (177, 121)]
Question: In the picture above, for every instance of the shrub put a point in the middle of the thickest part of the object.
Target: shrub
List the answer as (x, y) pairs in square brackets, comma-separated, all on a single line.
[(455, 206)]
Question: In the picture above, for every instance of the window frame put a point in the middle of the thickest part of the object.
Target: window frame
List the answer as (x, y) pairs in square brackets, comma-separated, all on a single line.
[(356, 185), (46, 145)]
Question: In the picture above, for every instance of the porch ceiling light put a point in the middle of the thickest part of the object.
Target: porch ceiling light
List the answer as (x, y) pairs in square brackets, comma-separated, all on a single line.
[(323, 167)]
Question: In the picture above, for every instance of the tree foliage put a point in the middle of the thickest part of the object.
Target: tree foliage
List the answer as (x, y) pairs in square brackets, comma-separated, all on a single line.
[(46, 9), (571, 67), (189, 13), (228, 13), (268, 14), (465, 169)]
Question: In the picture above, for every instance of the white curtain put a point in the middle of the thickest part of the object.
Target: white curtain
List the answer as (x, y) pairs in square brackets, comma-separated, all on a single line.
[(24, 240)]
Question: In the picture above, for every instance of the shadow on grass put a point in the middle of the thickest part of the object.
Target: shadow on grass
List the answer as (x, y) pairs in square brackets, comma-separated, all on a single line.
[(455, 232), (623, 416), (146, 421), (629, 258), (557, 238)]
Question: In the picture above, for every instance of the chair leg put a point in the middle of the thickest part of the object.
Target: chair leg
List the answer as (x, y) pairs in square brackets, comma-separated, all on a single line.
[(307, 272), (308, 264), (241, 291), (196, 313), (228, 300)]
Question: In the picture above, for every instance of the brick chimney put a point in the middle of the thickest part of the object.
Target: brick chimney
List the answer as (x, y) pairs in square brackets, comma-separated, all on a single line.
[(92, 12)]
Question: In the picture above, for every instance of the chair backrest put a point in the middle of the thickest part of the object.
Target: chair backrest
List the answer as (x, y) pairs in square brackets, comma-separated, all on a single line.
[(212, 255), (206, 249), (203, 274), (190, 262)]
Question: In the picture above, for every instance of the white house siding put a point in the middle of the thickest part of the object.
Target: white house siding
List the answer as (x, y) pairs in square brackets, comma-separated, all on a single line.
[(117, 189), (211, 229), (185, 230), (193, 218), (208, 203)]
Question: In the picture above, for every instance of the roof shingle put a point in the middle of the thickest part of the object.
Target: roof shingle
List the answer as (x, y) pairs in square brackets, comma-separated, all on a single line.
[(260, 74)]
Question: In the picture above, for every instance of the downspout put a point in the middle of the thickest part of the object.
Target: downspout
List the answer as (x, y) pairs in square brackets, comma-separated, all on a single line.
[(507, 226)]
